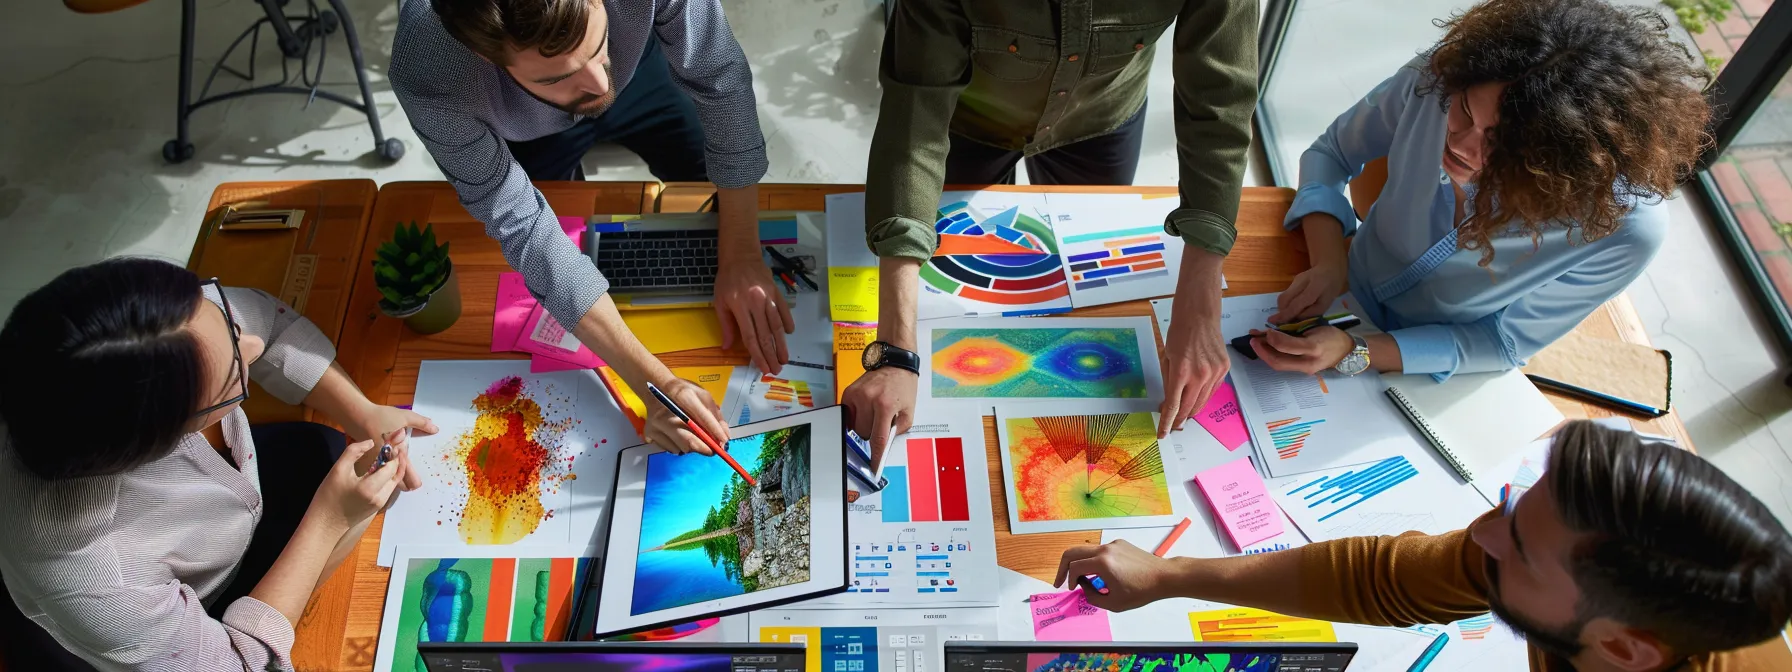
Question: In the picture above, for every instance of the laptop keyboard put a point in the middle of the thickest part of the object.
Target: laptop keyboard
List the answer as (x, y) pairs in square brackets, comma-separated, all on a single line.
[(673, 260)]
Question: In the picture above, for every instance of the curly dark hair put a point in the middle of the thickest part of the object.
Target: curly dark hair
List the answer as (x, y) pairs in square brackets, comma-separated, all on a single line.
[(1602, 108)]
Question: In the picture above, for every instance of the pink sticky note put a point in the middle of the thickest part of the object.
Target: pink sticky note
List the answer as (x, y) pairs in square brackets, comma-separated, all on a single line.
[(543, 335), (1221, 417), (511, 313), (1241, 502), (545, 364), (1068, 617), (574, 228)]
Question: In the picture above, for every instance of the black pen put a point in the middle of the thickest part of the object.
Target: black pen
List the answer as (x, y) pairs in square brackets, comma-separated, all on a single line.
[(793, 267), (1595, 396)]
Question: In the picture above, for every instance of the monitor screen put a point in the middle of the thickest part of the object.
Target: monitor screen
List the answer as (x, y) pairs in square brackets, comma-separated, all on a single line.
[(597, 658), (1259, 657)]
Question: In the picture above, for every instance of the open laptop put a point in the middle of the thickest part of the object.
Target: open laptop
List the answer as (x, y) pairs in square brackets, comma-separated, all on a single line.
[(1179, 657), (610, 657), (659, 260)]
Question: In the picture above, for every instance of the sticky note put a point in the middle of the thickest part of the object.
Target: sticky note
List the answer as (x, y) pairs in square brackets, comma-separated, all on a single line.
[(510, 314), (849, 346), (1240, 502), (1068, 617), (1244, 624), (539, 363), (674, 329), (543, 335), (1221, 417), (852, 293)]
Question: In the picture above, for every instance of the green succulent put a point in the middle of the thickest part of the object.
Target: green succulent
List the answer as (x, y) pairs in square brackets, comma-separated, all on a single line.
[(410, 268)]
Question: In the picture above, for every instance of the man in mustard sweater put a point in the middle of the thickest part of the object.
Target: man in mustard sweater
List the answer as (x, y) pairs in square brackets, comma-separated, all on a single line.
[(1625, 556)]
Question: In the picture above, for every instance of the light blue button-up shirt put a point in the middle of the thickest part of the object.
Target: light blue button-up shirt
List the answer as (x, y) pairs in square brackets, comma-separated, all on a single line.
[(1446, 312)]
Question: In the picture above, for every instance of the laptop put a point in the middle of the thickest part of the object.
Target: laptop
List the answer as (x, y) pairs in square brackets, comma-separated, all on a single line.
[(1108, 656), (660, 260), (610, 657)]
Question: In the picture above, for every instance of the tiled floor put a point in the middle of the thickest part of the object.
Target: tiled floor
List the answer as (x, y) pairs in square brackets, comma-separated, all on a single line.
[(81, 177)]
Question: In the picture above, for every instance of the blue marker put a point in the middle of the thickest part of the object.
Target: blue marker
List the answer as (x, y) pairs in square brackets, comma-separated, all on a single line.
[(1094, 582), (1430, 654)]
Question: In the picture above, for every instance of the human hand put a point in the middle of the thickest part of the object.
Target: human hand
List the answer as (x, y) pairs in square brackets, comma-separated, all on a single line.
[(665, 430), (749, 304), (1133, 576), (1194, 361), (390, 425), (345, 498), (1319, 349), (1311, 293), (880, 405)]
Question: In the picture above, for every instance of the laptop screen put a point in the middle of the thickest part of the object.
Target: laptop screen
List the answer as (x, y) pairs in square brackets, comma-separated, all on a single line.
[(588, 657), (1210, 657)]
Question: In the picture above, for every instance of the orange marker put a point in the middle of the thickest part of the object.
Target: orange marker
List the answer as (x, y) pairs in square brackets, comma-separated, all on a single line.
[(1171, 540), (702, 435)]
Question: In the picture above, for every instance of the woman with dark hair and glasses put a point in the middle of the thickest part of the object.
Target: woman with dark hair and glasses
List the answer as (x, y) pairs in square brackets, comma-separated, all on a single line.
[(146, 524), (1528, 154)]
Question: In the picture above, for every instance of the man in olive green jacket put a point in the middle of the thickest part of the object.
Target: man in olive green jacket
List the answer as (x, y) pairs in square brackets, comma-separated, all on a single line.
[(970, 88)]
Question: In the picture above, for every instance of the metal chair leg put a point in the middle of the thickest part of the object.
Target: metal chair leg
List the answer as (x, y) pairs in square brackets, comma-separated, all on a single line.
[(390, 149), (181, 147)]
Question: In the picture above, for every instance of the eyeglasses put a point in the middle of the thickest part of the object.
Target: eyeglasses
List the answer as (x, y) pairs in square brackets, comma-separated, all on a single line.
[(236, 361)]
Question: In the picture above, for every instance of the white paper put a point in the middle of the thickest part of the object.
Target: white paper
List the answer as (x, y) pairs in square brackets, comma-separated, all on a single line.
[(1483, 418), (1302, 422), (1114, 246), (667, 501), (395, 588), (1064, 491), (882, 640), (754, 395), (1482, 644), (581, 430), (925, 540), (1110, 363), (1392, 496), (813, 340)]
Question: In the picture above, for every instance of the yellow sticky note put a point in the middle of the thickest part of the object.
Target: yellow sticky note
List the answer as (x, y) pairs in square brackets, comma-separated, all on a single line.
[(713, 379), (849, 345), (675, 329), (852, 293), (1244, 624), (810, 638)]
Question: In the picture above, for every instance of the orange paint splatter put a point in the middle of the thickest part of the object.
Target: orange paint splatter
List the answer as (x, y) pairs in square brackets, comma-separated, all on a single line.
[(507, 459)]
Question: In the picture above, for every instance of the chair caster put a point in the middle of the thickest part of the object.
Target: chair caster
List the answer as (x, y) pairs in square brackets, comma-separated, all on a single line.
[(392, 149), (175, 151)]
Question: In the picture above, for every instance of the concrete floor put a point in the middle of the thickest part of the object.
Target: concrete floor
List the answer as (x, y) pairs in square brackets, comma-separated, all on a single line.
[(90, 100)]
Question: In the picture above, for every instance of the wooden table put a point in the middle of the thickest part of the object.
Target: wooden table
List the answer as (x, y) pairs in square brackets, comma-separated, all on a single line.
[(340, 626)]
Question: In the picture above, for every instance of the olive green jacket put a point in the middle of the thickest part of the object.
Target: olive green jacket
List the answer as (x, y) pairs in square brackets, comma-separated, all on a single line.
[(1035, 75)]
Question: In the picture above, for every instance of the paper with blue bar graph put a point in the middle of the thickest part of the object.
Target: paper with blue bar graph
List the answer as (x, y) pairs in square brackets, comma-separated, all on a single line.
[(1301, 422), (1390, 496), (1114, 246), (924, 540)]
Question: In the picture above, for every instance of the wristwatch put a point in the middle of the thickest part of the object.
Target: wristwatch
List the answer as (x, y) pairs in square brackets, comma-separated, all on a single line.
[(880, 354), (1357, 361)]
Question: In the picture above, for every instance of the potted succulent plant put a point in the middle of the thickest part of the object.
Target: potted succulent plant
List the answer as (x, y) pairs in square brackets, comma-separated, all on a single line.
[(416, 280)]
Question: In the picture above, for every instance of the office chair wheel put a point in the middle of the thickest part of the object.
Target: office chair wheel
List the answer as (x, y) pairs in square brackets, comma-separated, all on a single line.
[(391, 150), (175, 151), (329, 21)]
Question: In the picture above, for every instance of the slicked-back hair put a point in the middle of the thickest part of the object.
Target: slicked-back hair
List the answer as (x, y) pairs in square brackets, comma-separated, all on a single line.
[(496, 28)]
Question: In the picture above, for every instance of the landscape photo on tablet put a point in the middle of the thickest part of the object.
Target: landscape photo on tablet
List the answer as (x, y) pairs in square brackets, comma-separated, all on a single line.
[(706, 534)]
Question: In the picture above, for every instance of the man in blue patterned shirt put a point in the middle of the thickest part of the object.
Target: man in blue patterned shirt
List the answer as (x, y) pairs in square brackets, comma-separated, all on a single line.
[(505, 91)]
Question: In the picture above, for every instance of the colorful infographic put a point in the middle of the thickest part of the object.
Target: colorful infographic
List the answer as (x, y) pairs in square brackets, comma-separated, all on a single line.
[(931, 487), (748, 539), (476, 600), (1084, 472), (1007, 259), (1037, 363), (1244, 624)]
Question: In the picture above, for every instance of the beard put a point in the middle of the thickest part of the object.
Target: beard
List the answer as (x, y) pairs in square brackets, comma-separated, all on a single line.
[(590, 105), (1562, 641)]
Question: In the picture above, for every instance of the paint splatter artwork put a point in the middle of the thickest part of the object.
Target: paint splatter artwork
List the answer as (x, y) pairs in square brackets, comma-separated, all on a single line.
[(482, 600), (1037, 363), (1081, 467), (509, 460)]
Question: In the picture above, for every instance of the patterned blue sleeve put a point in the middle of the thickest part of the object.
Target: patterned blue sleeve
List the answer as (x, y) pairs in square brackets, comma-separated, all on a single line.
[(708, 64)]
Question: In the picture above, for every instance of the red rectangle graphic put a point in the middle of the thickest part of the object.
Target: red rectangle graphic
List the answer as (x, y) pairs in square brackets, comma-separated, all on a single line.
[(923, 487), (501, 585), (954, 504)]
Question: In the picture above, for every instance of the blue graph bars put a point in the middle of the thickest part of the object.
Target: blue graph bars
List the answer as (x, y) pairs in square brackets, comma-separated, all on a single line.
[(1337, 494)]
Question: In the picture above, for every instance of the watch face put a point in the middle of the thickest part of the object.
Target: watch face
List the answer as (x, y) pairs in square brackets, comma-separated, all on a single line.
[(873, 355)]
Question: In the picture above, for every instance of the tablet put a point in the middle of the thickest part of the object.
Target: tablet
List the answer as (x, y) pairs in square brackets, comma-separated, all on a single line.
[(689, 539)]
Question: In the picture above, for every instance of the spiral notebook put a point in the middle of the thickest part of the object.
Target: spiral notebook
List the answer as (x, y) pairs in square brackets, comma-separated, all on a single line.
[(1475, 421)]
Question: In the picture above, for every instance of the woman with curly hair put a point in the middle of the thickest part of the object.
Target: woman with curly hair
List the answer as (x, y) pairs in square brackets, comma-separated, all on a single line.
[(1528, 155)]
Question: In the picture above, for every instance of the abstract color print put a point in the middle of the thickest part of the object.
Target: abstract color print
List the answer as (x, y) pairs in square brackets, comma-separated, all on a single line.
[(1153, 662), (706, 534), (1081, 467), (1031, 363), (483, 600), (508, 459), (1007, 258)]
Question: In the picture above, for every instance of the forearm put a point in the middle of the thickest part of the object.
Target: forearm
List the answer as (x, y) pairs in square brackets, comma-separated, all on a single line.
[(603, 330), (337, 397), (1266, 581), (898, 290), (344, 546), (1384, 353), (738, 211), (304, 563), (1198, 285), (1325, 240)]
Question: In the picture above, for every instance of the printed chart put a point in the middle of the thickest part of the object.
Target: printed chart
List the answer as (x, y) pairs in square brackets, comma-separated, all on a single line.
[(473, 599), (1244, 624), (765, 396), (1289, 435), (1005, 259), (893, 640), (1042, 358), (1390, 496), (1084, 472)]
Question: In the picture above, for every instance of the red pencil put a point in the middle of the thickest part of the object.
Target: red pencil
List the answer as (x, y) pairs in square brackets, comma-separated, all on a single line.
[(1171, 540), (702, 435)]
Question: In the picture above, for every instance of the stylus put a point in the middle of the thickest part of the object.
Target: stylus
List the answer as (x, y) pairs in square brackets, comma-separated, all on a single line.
[(701, 435)]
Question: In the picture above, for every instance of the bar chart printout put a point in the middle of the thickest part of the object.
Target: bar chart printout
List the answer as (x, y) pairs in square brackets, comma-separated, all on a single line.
[(931, 488)]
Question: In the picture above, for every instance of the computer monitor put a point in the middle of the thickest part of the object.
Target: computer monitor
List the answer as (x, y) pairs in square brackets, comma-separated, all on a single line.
[(1179, 657), (610, 657)]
